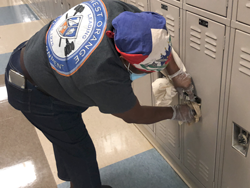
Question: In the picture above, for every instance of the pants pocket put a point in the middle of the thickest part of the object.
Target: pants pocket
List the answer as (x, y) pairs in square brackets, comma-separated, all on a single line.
[(18, 98)]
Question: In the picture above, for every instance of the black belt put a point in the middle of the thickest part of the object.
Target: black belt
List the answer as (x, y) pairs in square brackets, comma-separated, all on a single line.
[(25, 72)]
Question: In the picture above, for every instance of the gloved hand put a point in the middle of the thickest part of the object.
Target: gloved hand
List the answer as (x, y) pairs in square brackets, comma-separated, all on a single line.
[(183, 112), (183, 83)]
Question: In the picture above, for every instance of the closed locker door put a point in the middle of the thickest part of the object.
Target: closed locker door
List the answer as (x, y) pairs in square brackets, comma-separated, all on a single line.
[(167, 131), (57, 8), (49, 9), (143, 91), (41, 7), (141, 4), (243, 13), (215, 6), (65, 6), (204, 48), (236, 171)]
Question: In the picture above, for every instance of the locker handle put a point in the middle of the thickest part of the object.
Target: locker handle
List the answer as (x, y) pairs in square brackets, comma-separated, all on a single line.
[(248, 5)]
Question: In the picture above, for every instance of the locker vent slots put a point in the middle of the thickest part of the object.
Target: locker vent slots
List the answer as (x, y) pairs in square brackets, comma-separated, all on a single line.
[(195, 38), (170, 25), (245, 61)]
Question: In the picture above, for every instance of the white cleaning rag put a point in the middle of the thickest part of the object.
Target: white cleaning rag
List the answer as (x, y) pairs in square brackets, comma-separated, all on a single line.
[(163, 88), (163, 91)]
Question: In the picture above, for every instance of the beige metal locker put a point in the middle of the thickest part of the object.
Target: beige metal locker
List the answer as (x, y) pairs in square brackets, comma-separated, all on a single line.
[(215, 6), (243, 13), (168, 132), (236, 167), (172, 16), (204, 49), (141, 4), (143, 91)]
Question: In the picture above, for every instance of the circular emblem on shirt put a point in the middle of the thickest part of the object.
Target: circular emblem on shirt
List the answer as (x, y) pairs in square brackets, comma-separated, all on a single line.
[(73, 36)]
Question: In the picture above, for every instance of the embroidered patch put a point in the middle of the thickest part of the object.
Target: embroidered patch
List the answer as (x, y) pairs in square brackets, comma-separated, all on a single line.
[(74, 36)]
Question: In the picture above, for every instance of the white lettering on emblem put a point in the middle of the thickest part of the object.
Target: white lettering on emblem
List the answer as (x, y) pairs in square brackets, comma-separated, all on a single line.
[(77, 59)]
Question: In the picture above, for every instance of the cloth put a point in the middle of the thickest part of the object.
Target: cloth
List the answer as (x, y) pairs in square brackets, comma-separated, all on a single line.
[(163, 88), (79, 64), (143, 40), (62, 124), (163, 91), (197, 108)]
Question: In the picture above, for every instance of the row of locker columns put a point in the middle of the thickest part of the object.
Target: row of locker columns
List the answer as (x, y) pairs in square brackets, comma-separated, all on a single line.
[(50, 9), (201, 144), (199, 149)]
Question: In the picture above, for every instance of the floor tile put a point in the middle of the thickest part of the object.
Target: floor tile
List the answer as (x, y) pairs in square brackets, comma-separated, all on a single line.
[(16, 14), (5, 3), (4, 58), (145, 170), (9, 38), (22, 160), (114, 139)]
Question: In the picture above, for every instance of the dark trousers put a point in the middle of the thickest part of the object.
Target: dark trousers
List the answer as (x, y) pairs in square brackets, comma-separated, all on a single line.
[(62, 124)]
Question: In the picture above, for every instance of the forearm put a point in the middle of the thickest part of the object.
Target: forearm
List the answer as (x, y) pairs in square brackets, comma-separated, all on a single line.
[(171, 68), (152, 114)]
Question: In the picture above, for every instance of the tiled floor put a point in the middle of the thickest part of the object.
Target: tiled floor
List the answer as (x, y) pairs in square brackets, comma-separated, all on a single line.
[(27, 156)]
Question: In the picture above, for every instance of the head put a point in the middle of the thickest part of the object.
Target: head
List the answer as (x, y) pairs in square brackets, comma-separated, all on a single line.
[(142, 40)]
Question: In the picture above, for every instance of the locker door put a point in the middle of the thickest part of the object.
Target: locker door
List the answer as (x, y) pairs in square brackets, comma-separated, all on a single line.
[(236, 171), (216, 6), (172, 15), (141, 4), (167, 131), (143, 91), (49, 9), (243, 13), (204, 44), (57, 8), (41, 7), (64, 6)]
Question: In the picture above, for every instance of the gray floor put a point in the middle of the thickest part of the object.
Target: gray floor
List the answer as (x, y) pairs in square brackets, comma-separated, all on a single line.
[(4, 58), (16, 14), (20, 146), (145, 170)]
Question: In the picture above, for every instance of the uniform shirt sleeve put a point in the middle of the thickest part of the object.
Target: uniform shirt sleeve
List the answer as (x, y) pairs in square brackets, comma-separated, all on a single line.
[(111, 96)]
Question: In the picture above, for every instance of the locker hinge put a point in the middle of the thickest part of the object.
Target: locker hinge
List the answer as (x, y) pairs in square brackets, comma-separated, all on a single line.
[(179, 22)]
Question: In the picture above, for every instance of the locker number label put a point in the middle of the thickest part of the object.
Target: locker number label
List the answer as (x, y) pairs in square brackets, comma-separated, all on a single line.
[(165, 7), (203, 23)]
